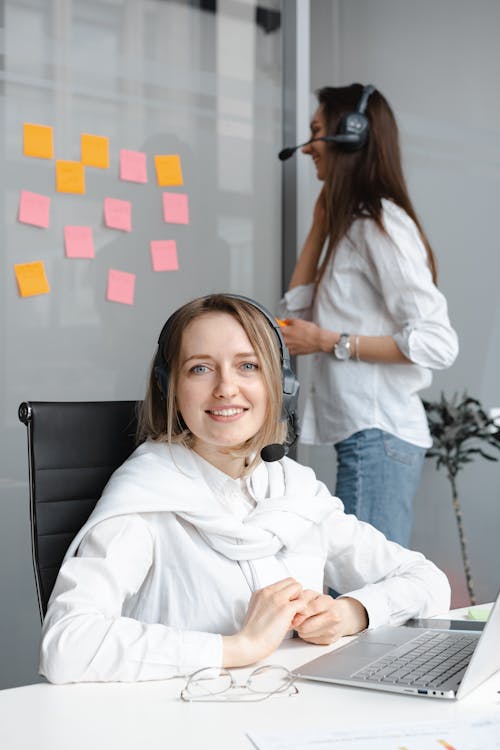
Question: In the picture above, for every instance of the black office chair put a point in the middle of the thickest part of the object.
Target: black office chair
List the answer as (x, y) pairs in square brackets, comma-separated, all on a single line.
[(73, 448)]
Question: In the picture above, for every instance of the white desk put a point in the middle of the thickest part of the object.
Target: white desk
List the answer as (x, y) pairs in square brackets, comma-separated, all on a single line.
[(151, 716)]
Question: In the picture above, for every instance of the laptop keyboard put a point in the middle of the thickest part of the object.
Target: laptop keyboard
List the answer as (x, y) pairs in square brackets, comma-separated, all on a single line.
[(428, 660)]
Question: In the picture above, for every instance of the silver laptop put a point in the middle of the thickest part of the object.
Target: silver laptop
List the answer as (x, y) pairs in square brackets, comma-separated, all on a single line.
[(444, 659)]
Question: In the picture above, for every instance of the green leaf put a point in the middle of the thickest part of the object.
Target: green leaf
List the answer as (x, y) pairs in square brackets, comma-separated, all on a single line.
[(459, 426)]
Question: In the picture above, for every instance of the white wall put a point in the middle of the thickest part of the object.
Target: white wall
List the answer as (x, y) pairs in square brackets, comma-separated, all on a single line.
[(438, 61)]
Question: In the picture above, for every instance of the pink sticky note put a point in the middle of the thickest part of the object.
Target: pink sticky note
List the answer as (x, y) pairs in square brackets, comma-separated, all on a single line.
[(175, 208), (133, 166), (34, 209), (164, 255), (118, 214), (121, 286), (78, 242)]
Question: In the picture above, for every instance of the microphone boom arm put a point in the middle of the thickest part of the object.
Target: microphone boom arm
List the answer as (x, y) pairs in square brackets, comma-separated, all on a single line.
[(289, 151)]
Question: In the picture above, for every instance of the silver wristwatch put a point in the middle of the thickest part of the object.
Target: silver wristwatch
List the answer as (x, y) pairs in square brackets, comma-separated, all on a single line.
[(342, 349)]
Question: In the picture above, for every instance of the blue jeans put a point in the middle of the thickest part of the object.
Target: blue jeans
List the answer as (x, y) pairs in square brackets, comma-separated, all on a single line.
[(377, 478)]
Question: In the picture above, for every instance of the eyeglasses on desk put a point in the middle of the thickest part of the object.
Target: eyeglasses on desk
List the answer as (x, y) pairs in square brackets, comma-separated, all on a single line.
[(215, 684)]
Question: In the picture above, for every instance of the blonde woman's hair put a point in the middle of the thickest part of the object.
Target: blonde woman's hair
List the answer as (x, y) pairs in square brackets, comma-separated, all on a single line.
[(159, 417)]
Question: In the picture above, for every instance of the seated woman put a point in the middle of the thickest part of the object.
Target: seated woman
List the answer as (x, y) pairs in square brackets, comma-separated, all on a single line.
[(199, 553)]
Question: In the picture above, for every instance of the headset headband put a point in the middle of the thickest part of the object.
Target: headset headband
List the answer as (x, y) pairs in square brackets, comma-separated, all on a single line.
[(367, 92)]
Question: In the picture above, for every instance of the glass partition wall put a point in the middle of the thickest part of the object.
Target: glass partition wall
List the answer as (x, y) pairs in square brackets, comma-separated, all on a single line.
[(199, 81)]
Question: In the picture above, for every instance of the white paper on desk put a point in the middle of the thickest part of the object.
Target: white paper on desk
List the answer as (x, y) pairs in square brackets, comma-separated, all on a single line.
[(476, 734)]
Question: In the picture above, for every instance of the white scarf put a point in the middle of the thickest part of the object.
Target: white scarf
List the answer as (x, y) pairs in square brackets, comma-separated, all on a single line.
[(159, 477)]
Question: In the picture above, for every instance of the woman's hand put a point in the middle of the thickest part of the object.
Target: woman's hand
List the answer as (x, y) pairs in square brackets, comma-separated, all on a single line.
[(304, 337), (324, 619), (268, 619)]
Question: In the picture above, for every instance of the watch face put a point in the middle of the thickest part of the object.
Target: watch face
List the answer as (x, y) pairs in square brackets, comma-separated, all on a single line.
[(342, 348), (341, 352)]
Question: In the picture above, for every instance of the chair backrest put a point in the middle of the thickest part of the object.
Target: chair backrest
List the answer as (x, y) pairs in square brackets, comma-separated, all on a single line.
[(73, 448)]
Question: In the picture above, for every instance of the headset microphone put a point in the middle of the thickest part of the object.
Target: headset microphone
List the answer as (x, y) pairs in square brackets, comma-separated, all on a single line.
[(352, 130), (273, 452), (276, 451), (289, 151)]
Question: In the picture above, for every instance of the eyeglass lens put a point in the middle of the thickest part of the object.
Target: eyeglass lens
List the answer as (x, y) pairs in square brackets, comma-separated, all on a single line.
[(269, 679), (209, 682)]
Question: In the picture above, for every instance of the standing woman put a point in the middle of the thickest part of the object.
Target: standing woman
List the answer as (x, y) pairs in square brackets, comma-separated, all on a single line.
[(369, 310)]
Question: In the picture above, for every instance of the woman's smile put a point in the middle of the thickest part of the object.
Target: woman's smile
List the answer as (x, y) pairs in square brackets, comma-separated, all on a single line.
[(226, 414), (221, 393)]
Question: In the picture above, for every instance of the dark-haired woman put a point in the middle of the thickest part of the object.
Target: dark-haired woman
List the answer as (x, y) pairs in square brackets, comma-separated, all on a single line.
[(369, 309)]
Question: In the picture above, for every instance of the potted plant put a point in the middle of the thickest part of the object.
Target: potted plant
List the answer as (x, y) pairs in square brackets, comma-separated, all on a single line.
[(460, 430)]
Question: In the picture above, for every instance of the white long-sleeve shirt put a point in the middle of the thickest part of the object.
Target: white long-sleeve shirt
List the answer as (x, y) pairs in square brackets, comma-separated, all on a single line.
[(375, 285), (146, 592)]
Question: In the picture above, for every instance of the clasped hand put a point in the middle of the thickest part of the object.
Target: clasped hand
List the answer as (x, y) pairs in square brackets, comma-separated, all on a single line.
[(284, 606), (323, 620)]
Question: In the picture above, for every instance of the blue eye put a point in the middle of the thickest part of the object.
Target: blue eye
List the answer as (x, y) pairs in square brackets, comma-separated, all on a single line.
[(249, 366), (199, 369)]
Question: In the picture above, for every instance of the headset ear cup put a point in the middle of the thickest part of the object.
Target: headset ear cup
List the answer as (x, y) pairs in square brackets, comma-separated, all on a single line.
[(161, 369), (290, 399), (291, 387), (354, 127), (161, 375)]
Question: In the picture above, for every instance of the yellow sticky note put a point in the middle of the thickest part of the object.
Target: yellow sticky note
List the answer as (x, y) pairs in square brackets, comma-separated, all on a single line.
[(70, 176), (168, 169), (94, 150), (31, 278), (38, 141)]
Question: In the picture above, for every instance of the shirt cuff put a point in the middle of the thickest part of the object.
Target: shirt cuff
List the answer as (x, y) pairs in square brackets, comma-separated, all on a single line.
[(299, 299), (375, 604), (434, 349)]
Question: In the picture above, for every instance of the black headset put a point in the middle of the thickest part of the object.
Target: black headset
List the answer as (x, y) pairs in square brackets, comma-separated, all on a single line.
[(354, 127), (352, 130), (290, 384)]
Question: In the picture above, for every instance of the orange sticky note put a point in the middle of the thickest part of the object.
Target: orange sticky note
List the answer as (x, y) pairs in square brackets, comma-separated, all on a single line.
[(31, 278), (38, 141), (94, 150), (133, 166), (118, 214), (168, 169), (164, 255), (34, 209), (70, 176), (121, 287), (175, 208), (78, 242)]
